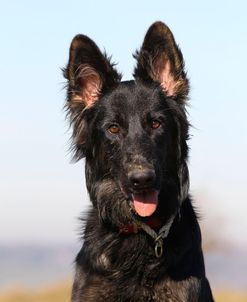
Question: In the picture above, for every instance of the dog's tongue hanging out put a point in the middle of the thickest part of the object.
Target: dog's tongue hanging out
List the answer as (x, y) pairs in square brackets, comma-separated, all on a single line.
[(145, 204)]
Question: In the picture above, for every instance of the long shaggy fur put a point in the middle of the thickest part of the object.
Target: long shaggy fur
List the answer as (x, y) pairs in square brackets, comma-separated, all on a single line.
[(134, 136)]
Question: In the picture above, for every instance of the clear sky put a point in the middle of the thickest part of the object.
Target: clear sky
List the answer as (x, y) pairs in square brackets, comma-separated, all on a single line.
[(41, 193)]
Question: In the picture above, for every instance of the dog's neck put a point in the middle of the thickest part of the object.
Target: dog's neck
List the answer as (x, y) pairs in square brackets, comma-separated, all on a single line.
[(149, 228), (154, 223)]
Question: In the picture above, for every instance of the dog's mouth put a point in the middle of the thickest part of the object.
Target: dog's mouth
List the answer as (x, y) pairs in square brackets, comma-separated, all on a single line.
[(145, 203)]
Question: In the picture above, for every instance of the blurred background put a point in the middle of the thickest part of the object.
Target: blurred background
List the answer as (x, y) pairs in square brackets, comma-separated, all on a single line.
[(42, 194)]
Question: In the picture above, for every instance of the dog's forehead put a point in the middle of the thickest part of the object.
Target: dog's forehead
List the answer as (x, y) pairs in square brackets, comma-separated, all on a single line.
[(133, 95)]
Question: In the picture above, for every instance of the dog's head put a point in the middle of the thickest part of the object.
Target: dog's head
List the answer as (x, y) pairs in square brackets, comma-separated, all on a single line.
[(133, 134)]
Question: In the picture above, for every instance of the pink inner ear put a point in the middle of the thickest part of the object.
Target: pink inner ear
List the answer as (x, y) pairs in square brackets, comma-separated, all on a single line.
[(162, 73), (90, 84), (166, 80)]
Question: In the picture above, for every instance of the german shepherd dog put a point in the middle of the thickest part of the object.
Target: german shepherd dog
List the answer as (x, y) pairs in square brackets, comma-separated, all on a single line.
[(141, 240)]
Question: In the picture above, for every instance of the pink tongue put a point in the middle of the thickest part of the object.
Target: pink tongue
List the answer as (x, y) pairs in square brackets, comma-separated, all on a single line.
[(145, 204)]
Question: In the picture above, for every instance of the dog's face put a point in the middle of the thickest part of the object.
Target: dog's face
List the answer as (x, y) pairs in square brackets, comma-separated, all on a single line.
[(133, 134), (135, 137)]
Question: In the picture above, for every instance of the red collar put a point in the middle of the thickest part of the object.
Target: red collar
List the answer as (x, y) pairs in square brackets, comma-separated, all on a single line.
[(132, 228)]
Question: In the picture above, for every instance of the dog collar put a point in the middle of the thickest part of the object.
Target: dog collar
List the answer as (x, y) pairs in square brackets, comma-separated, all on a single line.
[(149, 228), (154, 223)]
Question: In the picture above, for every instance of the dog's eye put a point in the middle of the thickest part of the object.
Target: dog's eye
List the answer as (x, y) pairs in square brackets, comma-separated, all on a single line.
[(155, 124), (114, 129)]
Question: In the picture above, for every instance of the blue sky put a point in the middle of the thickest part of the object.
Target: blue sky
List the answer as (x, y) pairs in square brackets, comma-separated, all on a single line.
[(41, 193)]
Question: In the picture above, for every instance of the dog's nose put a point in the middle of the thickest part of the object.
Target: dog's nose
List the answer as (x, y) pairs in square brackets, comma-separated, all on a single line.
[(141, 178)]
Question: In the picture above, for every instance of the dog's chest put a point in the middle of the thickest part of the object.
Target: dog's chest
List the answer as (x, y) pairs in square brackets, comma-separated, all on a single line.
[(186, 290), (168, 290)]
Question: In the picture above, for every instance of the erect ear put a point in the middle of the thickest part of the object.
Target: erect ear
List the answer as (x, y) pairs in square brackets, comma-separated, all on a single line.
[(89, 72), (161, 60)]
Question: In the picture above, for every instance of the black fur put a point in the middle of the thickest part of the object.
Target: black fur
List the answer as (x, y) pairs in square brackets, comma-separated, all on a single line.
[(134, 138)]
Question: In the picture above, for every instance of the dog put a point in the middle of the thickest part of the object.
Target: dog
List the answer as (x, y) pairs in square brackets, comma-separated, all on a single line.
[(142, 240)]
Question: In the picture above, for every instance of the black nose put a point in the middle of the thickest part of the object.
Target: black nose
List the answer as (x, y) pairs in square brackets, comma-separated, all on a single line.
[(141, 179)]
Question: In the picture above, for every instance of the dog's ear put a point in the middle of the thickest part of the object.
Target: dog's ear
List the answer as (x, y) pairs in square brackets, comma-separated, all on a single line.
[(161, 60), (89, 72)]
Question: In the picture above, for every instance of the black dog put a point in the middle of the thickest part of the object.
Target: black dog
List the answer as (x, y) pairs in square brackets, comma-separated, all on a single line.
[(142, 240)]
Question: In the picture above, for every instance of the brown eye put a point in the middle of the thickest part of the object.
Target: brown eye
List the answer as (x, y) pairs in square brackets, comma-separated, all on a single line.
[(155, 124), (114, 129)]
